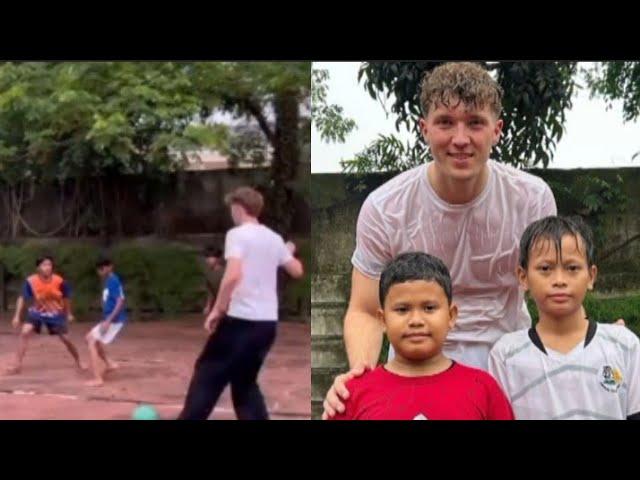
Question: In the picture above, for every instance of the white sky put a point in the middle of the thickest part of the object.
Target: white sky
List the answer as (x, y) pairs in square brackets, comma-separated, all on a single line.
[(594, 136)]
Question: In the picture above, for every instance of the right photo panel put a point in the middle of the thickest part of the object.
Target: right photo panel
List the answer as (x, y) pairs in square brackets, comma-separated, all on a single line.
[(475, 240)]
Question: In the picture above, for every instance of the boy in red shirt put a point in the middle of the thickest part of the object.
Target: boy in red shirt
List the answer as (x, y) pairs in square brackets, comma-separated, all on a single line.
[(419, 382)]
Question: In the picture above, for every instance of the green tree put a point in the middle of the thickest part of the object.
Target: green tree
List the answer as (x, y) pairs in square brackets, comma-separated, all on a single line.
[(617, 81), (95, 121), (91, 122), (273, 94)]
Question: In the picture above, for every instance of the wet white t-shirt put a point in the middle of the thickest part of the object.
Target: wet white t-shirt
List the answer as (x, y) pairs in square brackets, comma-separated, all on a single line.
[(262, 251), (478, 241)]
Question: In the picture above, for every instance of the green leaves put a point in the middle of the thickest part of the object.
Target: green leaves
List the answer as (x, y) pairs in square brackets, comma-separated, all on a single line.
[(68, 119), (617, 81), (386, 154), (77, 120), (329, 120)]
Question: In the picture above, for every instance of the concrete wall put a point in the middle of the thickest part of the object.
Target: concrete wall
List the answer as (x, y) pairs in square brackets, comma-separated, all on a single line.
[(181, 203)]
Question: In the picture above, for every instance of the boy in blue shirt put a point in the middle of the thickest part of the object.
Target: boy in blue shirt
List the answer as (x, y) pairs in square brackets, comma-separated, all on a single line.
[(114, 317)]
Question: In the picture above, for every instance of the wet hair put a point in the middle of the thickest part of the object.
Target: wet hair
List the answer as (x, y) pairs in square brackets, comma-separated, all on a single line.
[(553, 229), (42, 258), (464, 82), (412, 266), (104, 262), (210, 251)]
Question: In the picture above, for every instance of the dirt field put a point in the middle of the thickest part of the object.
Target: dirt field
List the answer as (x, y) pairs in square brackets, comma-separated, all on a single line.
[(156, 360)]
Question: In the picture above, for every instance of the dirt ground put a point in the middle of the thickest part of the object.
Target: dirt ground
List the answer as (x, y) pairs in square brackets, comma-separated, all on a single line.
[(156, 361)]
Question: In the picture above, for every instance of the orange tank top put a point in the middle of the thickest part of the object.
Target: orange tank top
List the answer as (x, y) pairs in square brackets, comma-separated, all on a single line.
[(48, 295)]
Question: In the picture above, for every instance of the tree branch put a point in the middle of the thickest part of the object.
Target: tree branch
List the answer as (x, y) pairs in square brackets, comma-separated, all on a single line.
[(607, 254), (256, 110)]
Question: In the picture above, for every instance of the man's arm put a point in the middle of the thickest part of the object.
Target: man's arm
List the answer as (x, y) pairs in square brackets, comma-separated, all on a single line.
[(230, 279), (294, 268), (210, 298), (363, 332)]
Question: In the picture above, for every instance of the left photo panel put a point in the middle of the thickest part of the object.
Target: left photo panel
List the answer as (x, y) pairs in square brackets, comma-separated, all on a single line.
[(155, 240)]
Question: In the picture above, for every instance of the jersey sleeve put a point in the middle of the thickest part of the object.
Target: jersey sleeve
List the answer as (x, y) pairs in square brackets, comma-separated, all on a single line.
[(373, 250), (233, 247), (115, 288), (66, 289), (27, 291), (633, 379), (497, 369)]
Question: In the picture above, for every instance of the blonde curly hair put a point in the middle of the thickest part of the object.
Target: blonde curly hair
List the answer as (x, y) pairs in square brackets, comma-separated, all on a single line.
[(464, 82)]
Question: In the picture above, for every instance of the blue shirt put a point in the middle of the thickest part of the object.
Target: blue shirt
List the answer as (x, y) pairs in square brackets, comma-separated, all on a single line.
[(112, 292)]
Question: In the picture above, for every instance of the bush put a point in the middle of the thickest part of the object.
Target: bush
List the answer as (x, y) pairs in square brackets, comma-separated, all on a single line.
[(163, 278)]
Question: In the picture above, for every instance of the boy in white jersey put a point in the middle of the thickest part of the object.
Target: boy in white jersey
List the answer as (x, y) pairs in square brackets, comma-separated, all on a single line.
[(463, 208), (243, 319), (567, 366)]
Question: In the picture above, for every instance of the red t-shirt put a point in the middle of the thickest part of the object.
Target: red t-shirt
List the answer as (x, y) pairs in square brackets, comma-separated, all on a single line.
[(458, 393)]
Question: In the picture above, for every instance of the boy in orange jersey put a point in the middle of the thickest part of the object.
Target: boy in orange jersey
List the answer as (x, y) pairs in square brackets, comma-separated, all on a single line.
[(49, 295)]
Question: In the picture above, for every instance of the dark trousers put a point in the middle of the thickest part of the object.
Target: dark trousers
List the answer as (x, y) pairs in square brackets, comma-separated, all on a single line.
[(234, 354)]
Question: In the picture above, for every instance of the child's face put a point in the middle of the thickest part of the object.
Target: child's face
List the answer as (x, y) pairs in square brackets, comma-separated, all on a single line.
[(45, 268), (211, 261), (558, 286), (417, 318), (104, 271), (461, 138)]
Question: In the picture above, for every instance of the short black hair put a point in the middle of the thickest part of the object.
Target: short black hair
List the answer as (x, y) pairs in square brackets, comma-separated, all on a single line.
[(42, 258), (411, 266), (553, 229), (104, 262), (211, 251)]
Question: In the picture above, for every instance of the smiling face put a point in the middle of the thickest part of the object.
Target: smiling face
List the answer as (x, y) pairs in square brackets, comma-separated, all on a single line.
[(417, 317), (460, 138), (558, 281)]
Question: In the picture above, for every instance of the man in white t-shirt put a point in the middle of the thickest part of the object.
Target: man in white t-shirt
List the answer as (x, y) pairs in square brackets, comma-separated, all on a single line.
[(243, 319), (463, 208)]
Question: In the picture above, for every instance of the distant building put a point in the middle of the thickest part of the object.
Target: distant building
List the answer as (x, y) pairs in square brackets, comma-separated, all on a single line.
[(205, 160)]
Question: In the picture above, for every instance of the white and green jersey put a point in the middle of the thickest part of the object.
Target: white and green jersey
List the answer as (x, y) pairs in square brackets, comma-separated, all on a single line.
[(598, 379)]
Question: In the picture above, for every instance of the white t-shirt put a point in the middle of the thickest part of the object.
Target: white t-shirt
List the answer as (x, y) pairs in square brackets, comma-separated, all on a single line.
[(598, 379), (262, 251), (478, 241)]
